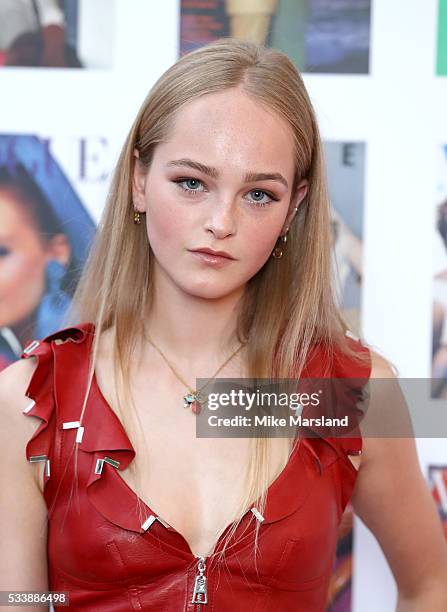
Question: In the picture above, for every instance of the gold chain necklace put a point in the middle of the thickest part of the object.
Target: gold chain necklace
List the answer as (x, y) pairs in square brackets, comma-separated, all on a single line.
[(193, 398)]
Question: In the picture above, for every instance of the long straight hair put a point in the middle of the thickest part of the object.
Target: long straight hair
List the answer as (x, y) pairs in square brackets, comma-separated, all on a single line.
[(288, 304)]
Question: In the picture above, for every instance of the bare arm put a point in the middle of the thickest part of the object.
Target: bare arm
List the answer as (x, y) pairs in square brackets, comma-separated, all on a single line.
[(23, 533), (393, 500)]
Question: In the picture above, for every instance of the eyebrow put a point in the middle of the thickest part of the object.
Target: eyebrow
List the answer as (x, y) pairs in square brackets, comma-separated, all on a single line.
[(214, 173)]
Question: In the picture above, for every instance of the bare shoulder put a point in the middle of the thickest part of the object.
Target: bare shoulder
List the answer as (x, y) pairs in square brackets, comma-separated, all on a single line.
[(381, 367), (14, 381), (380, 399), (22, 505), (17, 428)]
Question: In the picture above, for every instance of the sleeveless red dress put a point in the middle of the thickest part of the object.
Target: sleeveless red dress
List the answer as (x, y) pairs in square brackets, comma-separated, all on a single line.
[(108, 560)]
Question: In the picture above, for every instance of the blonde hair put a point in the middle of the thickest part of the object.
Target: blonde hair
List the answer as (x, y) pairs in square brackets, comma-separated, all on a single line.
[(288, 305)]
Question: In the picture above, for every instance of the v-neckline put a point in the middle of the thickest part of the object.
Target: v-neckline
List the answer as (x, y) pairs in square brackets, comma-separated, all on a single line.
[(294, 455), (105, 439)]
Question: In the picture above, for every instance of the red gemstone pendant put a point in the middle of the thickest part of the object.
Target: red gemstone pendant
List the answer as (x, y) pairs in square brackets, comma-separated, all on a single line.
[(195, 407)]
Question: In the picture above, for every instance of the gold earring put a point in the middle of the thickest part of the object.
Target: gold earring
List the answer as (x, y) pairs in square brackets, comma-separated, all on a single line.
[(277, 251), (136, 216)]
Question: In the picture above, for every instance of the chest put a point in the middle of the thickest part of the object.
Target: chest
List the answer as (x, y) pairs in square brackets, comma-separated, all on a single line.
[(93, 547), (194, 484)]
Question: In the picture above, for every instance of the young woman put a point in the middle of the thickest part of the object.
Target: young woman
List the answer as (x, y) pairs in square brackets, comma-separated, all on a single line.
[(191, 276)]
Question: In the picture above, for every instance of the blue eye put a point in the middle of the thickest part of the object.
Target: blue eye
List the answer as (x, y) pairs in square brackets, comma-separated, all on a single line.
[(262, 193), (193, 184)]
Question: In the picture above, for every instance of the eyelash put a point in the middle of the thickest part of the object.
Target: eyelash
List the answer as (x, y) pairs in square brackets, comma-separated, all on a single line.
[(254, 202)]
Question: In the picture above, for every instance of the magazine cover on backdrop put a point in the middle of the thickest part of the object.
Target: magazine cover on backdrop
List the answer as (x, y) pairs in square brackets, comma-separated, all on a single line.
[(45, 235)]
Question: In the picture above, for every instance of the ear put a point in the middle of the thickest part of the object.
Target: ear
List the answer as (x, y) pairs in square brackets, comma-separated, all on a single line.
[(300, 194), (139, 183)]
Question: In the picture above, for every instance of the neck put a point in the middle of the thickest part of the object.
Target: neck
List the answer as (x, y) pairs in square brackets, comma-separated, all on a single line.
[(192, 330)]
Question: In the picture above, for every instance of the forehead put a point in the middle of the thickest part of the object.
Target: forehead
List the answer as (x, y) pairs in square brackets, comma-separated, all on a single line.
[(233, 130)]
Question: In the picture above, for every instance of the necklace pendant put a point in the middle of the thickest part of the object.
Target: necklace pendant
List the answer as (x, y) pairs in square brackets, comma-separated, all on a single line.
[(191, 400), (196, 407)]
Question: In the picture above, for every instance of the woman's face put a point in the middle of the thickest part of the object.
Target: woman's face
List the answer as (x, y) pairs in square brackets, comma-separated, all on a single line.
[(23, 258), (222, 181)]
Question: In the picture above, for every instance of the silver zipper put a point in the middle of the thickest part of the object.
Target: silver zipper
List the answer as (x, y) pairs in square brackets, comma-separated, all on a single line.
[(200, 594)]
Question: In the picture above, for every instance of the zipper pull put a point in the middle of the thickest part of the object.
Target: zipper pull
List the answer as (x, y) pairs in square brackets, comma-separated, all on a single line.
[(200, 594)]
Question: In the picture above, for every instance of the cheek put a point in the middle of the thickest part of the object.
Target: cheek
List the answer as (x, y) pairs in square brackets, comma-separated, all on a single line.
[(261, 240), (21, 266), (168, 224), (21, 282)]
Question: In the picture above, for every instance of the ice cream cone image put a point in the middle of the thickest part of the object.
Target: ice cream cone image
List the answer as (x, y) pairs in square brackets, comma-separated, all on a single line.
[(250, 19)]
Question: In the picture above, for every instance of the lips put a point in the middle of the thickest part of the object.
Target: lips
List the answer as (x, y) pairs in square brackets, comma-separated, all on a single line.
[(208, 251), (210, 259)]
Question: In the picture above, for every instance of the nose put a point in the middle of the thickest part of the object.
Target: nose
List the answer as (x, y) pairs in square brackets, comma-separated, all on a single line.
[(222, 220)]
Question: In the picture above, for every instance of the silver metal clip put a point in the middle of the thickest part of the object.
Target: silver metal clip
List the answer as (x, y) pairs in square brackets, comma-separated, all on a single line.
[(257, 514), (71, 424), (112, 462), (148, 522), (30, 348), (100, 464), (298, 410), (151, 519), (29, 407), (35, 458)]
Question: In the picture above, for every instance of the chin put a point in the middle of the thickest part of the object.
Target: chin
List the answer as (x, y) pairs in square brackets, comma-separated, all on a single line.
[(209, 290), (208, 293)]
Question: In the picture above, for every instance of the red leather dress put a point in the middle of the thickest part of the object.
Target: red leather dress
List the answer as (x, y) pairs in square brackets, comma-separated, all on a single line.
[(98, 550)]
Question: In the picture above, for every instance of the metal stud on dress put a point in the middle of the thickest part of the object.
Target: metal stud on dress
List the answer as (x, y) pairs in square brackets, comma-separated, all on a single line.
[(100, 464), (257, 514), (151, 519), (73, 425), (35, 458)]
